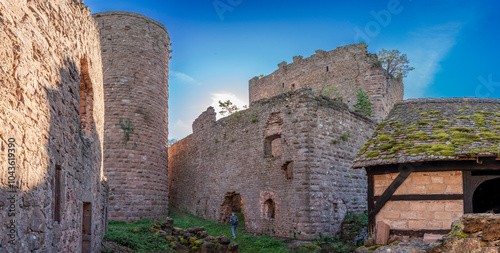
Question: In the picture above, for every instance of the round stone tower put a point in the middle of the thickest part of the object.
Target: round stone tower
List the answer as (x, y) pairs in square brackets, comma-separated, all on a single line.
[(135, 55)]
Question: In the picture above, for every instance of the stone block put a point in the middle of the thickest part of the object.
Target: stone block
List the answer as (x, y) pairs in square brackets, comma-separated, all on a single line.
[(430, 238), (382, 233)]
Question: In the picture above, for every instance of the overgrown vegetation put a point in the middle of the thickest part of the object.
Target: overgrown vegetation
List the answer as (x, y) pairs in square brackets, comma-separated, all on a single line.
[(363, 104), (332, 92), (127, 127), (228, 108), (138, 237), (395, 63), (135, 235), (350, 239), (247, 241)]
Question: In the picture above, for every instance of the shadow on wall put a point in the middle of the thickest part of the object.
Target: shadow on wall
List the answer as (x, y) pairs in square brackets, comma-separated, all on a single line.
[(53, 172)]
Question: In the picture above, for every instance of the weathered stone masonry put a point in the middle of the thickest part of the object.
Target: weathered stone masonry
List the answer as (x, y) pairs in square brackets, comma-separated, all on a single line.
[(286, 159), (52, 105), (135, 55), (343, 71)]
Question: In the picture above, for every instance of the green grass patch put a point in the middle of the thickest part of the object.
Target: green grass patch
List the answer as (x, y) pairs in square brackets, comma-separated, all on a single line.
[(491, 136), (434, 112), (464, 135), (399, 146), (483, 112), (480, 120), (462, 117), (384, 137), (438, 126), (494, 122), (438, 149), (371, 154), (418, 135), (461, 129), (135, 235), (247, 241), (440, 135), (381, 125), (387, 146), (423, 122)]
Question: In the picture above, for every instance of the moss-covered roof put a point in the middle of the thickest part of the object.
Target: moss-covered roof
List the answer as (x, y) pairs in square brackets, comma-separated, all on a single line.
[(435, 129)]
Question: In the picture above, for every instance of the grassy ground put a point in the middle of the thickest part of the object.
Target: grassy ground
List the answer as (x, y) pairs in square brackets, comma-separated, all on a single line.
[(247, 241), (137, 237)]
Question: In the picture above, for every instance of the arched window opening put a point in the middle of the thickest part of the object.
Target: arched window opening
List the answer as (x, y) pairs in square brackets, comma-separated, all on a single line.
[(293, 87), (86, 99), (326, 68), (269, 209), (486, 197)]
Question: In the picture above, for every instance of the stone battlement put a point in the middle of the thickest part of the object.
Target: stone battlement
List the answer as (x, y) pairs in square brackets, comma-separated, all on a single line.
[(338, 73)]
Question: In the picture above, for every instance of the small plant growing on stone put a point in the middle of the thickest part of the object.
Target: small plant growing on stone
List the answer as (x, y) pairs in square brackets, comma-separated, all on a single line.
[(363, 104), (332, 92), (345, 136), (127, 128)]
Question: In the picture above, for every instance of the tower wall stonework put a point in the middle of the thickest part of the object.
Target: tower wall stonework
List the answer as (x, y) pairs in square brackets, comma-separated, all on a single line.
[(135, 56), (52, 189), (285, 157), (340, 72)]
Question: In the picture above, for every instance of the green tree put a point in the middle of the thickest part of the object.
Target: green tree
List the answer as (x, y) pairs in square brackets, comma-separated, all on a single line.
[(229, 108), (395, 63), (363, 104)]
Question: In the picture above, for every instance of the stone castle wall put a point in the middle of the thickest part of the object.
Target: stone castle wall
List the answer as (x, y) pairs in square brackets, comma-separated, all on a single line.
[(51, 127), (135, 56), (285, 159), (341, 71)]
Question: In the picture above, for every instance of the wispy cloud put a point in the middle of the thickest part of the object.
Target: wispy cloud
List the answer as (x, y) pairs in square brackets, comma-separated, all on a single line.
[(426, 48), (224, 96), (184, 77), (179, 129)]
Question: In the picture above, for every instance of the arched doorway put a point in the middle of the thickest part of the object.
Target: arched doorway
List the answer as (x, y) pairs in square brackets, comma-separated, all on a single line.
[(233, 202), (486, 197)]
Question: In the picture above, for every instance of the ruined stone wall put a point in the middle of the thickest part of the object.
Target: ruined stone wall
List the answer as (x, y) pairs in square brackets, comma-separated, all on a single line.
[(135, 55), (421, 215), (51, 128), (337, 189), (280, 158), (337, 73)]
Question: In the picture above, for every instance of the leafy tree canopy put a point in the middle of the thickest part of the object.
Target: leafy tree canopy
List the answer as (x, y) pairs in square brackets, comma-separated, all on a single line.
[(395, 63)]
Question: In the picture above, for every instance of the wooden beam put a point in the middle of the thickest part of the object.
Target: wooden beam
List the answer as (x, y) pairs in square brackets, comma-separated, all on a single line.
[(471, 182), (413, 197), (419, 233), (466, 179), (371, 201), (405, 171), (434, 166)]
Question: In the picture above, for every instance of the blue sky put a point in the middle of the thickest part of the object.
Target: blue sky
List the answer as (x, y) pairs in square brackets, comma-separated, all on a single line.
[(219, 45)]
